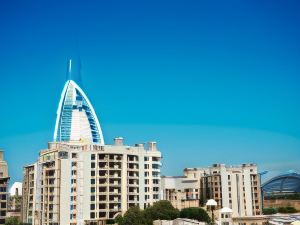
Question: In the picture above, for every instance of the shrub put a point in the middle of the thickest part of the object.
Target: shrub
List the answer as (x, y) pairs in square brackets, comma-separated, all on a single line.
[(12, 221), (133, 216), (288, 209), (195, 213), (161, 210), (110, 221), (269, 211)]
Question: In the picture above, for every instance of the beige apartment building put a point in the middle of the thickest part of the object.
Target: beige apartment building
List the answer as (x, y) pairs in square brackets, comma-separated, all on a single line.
[(4, 178), (235, 187), (181, 191), (81, 183)]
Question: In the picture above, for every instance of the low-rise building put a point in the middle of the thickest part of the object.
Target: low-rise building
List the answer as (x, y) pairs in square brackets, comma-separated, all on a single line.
[(181, 191), (178, 221)]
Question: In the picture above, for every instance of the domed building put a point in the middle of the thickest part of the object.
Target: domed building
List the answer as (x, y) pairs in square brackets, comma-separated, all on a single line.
[(282, 191), (285, 184)]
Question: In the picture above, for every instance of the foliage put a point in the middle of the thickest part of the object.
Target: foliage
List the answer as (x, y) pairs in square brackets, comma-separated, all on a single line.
[(295, 196), (288, 209), (110, 221), (12, 221), (195, 213), (161, 210), (269, 211), (133, 216), (119, 220)]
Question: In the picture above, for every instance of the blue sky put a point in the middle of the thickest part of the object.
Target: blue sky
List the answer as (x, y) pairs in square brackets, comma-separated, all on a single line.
[(211, 81)]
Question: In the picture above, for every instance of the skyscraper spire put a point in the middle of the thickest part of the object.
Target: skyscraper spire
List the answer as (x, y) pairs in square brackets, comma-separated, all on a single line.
[(69, 70), (76, 118), (74, 70)]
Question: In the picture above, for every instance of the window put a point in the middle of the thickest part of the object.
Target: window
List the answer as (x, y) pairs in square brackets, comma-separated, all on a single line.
[(93, 165), (92, 198), (92, 206), (93, 189), (92, 215), (93, 156), (93, 173), (74, 155), (93, 181)]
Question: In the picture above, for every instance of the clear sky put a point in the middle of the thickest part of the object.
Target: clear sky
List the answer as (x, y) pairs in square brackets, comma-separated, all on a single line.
[(210, 81)]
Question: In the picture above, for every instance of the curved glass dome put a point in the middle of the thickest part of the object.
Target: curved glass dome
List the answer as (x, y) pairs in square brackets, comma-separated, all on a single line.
[(286, 183)]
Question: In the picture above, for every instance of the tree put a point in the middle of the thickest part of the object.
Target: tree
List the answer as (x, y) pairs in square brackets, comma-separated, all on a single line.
[(195, 213), (12, 221), (133, 216), (287, 209), (161, 210), (269, 211)]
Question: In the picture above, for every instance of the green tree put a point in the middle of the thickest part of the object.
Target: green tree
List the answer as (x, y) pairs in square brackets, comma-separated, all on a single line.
[(269, 211), (133, 216), (161, 210), (195, 213), (287, 209), (12, 221)]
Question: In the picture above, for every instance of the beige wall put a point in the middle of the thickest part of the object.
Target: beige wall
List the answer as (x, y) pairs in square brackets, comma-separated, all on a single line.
[(282, 203)]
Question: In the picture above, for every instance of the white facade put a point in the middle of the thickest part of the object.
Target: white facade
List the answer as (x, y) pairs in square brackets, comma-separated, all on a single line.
[(16, 189), (234, 187), (84, 183), (76, 119)]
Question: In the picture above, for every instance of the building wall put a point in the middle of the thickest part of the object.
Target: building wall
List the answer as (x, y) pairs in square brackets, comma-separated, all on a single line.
[(235, 187), (276, 203), (182, 192), (4, 179), (85, 183)]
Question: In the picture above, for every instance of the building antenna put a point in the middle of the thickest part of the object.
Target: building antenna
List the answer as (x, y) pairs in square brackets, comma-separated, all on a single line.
[(69, 70)]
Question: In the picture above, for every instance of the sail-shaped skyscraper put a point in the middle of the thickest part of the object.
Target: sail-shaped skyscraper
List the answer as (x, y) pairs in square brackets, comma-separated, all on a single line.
[(76, 118)]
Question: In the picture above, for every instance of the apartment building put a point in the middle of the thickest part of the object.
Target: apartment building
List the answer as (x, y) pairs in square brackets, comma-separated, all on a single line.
[(83, 183), (235, 187), (4, 178), (181, 191)]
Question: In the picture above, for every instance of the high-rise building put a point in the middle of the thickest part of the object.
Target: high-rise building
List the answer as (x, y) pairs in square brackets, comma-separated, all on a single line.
[(80, 180), (76, 118), (234, 187), (4, 178)]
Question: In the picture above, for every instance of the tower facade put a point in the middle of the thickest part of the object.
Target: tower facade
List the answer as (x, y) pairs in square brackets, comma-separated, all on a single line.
[(76, 118)]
